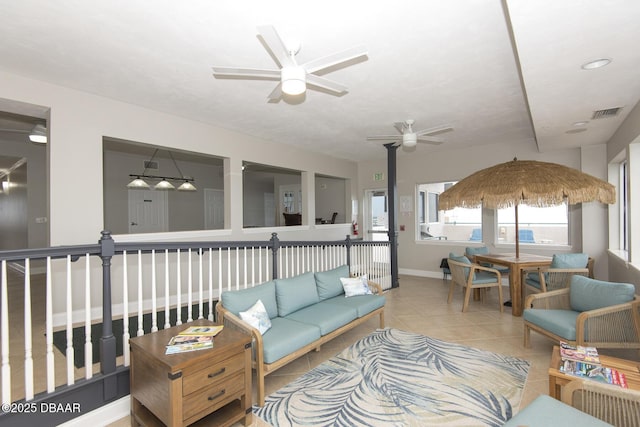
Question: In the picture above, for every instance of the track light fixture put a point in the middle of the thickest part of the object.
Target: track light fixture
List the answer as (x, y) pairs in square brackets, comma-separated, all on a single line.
[(139, 181)]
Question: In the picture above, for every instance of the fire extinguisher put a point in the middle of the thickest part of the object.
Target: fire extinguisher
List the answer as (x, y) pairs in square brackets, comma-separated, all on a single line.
[(355, 228)]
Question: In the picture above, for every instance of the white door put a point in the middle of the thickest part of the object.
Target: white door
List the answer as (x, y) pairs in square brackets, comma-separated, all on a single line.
[(213, 209), (148, 211), (376, 215)]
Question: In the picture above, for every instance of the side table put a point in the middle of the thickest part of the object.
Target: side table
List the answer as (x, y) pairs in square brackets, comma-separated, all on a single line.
[(180, 389), (558, 379)]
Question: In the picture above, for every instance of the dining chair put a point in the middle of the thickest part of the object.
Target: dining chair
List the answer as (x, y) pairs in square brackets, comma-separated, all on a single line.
[(471, 252), (558, 274), (472, 276)]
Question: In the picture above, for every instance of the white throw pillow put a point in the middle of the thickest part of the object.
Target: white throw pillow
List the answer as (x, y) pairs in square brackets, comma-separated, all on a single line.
[(355, 286), (257, 317)]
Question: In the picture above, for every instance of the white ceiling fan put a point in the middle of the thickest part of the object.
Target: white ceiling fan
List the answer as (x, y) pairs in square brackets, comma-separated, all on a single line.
[(408, 138), (294, 77)]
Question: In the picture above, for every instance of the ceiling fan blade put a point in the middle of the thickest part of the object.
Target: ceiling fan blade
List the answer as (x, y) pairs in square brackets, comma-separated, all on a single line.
[(385, 138), (277, 47), (327, 84), (276, 94), (15, 130), (434, 140), (334, 59), (401, 126), (247, 73), (435, 130)]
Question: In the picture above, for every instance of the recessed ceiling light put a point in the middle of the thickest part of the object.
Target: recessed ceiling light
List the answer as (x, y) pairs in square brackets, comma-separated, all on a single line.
[(576, 130), (598, 63)]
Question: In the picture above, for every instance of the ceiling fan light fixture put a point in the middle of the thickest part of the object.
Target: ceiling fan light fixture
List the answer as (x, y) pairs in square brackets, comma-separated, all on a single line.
[(294, 80), (409, 140), (38, 134)]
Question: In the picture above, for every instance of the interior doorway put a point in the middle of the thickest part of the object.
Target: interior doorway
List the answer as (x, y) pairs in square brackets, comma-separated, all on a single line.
[(148, 211), (376, 215)]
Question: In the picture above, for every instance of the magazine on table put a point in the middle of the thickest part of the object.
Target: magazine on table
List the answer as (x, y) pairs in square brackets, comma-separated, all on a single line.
[(192, 339), (203, 330), (579, 353), (594, 372)]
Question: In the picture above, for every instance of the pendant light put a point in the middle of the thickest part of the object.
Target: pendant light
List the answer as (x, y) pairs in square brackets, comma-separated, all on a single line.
[(140, 181)]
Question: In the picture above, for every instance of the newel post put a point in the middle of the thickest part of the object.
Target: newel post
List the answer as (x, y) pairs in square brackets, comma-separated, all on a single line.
[(107, 341), (348, 246), (275, 245)]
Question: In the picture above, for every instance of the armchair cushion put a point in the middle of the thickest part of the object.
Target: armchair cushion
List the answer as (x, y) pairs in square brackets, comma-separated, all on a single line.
[(558, 322), (590, 294), (569, 261), (295, 293), (463, 259), (243, 299), (328, 282)]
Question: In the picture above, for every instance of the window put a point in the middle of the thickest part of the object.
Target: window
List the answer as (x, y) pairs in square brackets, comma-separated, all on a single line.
[(547, 226), (624, 208), (455, 224)]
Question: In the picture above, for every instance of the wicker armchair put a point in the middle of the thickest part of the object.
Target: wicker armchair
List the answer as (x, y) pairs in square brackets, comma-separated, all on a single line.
[(550, 279), (590, 316), (609, 403), (473, 276)]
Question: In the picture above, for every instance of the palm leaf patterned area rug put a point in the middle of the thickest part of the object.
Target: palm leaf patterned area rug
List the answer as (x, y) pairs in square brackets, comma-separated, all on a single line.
[(398, 378)]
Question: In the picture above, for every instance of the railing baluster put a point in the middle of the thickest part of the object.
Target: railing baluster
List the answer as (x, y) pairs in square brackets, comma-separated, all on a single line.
[(88, 347), (210, 316), (189, 288), (154, 307), (6, 367), (167, 295), (69, 352), (178, 289), (51, 369), (28, 342), (200, 284), (140, 300), (125, 310)]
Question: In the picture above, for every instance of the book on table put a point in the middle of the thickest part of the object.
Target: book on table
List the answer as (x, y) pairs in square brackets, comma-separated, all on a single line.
[(579, 353), (203, 330)]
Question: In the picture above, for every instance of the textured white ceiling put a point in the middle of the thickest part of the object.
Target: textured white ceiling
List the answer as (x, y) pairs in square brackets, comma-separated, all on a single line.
[(432, 61)]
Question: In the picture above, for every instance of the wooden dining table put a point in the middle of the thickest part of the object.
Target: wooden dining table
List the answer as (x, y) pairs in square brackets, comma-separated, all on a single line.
[(516, 265)]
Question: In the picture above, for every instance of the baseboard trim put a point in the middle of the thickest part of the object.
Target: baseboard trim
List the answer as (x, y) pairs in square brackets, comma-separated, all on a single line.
[(104, 415)]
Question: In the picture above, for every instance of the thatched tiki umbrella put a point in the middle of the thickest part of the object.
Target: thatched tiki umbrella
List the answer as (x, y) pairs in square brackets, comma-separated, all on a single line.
[(526, 182)]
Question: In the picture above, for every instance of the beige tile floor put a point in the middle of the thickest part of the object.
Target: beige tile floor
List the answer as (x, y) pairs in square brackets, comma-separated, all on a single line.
[(420, 305)]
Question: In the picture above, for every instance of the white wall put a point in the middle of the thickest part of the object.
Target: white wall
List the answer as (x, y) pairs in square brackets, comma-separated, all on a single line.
[(78, 122)]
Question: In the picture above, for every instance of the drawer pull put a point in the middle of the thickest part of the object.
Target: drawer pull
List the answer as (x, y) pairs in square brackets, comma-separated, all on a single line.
[(215, 374), (217, 395)]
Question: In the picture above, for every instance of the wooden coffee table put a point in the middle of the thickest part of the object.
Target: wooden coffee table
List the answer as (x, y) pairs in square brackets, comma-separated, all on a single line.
[(557, 379)]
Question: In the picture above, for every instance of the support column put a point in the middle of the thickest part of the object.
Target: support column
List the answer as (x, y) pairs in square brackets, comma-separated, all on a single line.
[(393, 212)]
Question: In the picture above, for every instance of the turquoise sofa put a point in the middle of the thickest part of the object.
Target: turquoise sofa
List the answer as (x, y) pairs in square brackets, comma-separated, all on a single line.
[(305, 311)]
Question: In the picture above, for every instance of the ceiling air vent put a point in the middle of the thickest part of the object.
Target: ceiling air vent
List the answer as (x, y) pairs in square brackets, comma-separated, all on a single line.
[(603, 114), (150, 164)]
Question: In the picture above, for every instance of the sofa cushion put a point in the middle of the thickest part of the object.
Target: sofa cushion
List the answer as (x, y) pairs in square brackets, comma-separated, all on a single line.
[(328, 317), (364, 304), (295, 293), (241, 300), (328, 282), (569, 261), (590, 294), (285, 337), (257, 317), (559, 322)]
